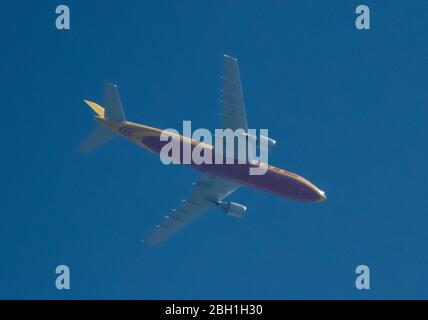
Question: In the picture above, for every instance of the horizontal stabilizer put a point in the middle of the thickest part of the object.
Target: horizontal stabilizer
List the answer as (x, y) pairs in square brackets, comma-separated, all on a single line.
[(113, 105), (113, 111), (97, 138)]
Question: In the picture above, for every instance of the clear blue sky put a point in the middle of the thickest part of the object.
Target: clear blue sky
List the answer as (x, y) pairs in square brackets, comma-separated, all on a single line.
[(348, 109)]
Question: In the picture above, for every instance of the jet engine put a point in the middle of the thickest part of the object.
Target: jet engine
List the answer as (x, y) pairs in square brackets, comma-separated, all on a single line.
[(233, 209), (270, 142)]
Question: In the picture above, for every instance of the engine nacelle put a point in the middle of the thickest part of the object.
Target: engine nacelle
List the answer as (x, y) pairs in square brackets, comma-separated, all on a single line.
[(270, 142), (233, 209)]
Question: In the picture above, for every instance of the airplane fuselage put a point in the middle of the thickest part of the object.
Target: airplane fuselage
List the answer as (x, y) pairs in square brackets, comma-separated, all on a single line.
[(277, 181)]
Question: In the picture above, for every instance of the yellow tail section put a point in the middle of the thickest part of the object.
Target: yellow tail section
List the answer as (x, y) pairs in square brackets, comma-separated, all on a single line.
[(96, 107), (113, 111), (100, 135)]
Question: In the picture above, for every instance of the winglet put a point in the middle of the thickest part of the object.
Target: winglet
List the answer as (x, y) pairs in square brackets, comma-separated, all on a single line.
[(96, 107)]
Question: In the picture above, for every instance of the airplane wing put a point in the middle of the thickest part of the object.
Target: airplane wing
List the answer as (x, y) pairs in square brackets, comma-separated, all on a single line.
[(208, 190), (234, 116)]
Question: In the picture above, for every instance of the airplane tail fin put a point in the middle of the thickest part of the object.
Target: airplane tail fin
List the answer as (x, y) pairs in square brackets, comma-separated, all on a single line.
[(113, 111)]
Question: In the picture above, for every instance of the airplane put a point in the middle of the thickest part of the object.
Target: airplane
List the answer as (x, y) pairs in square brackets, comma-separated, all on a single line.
[(216, 181)]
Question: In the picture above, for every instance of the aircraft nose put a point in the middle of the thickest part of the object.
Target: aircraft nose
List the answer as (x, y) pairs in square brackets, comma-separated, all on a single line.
[(322, 195)]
